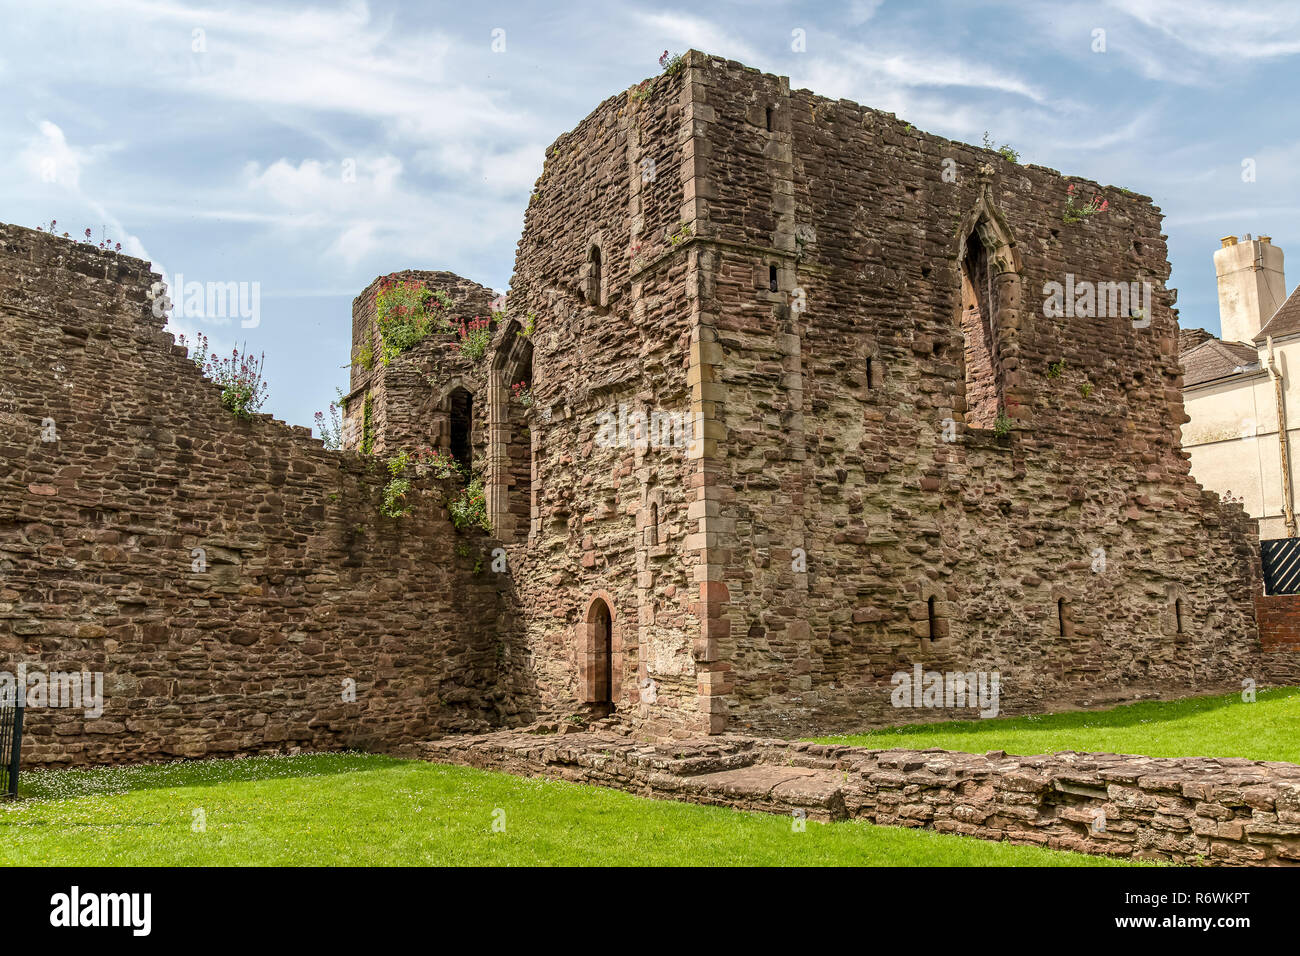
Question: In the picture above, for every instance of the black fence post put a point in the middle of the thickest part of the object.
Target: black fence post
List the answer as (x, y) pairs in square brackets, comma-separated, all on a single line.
[(15, 752)]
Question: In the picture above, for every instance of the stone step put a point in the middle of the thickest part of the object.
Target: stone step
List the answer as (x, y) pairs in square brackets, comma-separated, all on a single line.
[(773, 789)]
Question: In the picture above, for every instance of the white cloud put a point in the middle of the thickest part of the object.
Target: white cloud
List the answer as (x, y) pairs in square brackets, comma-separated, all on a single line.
[(688, 32), (1228, 31), (860, 11), (48, 158)]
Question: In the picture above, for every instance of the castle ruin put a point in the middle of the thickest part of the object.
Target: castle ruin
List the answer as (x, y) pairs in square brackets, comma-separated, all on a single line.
[(799, 422)]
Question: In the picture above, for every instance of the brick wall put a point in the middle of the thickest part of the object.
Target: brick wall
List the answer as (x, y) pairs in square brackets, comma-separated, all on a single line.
[(306, 585), (1279, 632)]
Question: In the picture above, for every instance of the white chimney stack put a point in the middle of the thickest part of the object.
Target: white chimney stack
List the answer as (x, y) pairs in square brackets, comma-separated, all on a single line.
[(1252, 285)]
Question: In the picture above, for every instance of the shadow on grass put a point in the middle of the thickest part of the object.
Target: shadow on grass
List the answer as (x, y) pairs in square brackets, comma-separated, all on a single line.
[(88, 781), (1126, 715)]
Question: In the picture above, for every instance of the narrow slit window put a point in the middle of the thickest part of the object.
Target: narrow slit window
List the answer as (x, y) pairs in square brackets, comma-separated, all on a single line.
[(769, 119), (871, 373), (594, 295), (771, 278), (652, 532), (934, 620), (1178, 615), (1060, 615)]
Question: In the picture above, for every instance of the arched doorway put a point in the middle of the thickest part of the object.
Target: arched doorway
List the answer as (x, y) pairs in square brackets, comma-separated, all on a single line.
[(599, 656), (603, 639)]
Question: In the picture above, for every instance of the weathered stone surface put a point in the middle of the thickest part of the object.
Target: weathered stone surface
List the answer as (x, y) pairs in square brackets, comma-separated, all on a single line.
[(787, 270), (306, 585), (796, 278), (1052, 800)]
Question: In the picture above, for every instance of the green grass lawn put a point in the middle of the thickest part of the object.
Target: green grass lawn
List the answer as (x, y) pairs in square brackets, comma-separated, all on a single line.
[(1268, 729), (350, 809)]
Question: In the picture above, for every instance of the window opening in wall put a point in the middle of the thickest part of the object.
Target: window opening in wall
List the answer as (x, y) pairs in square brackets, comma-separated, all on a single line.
[(594, 297), (769, 119), (771, 278), (934, 621), (462, 407), (978, 308), (1178, 615)]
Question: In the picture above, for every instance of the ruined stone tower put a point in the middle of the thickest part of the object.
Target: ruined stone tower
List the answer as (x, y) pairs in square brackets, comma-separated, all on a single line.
[(895, 456)]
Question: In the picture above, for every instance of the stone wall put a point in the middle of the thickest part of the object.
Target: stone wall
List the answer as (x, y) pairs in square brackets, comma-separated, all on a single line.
[(1196, 810), (1070, 549), (612, 511), (790, 274), (407, 398), (1279, 633), (306, 586)]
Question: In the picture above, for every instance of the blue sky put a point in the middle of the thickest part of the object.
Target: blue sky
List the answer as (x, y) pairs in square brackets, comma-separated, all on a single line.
[(311, 147)]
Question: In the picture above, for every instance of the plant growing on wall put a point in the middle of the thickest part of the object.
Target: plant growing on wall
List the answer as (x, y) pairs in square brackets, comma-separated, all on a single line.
[(406, 313), (1056, 369), (396, 490), (243, 390), (672, 65), (1001, 426), (438, 463), (469, 508), (104, 243), (1078, 212), (331, 432), (473, 338), (522, 394), (1005, 151), (367, 429), (681, 235)]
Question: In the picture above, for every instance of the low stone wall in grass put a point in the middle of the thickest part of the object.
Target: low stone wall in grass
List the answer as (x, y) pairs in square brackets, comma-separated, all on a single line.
[(1193, 810)]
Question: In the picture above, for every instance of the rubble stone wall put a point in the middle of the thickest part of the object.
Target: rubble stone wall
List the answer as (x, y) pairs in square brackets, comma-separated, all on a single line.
[(1191, 810), (304, 587), (834, 394)]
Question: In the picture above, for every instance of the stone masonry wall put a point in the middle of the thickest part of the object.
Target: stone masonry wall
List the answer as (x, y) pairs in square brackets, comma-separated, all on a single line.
[(306, 586), (610, 518), (830, 398), (405, 396), (1195, 810)]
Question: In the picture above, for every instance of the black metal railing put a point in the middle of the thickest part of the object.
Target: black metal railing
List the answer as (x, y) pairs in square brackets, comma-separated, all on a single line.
[(11, 743), (1281, 560)]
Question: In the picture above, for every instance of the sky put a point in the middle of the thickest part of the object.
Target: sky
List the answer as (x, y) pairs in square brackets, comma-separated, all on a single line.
[(301, 149)]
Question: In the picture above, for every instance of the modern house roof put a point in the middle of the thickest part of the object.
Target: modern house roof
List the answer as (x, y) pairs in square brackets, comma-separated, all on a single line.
[(1213, 359), (1285, 321)]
